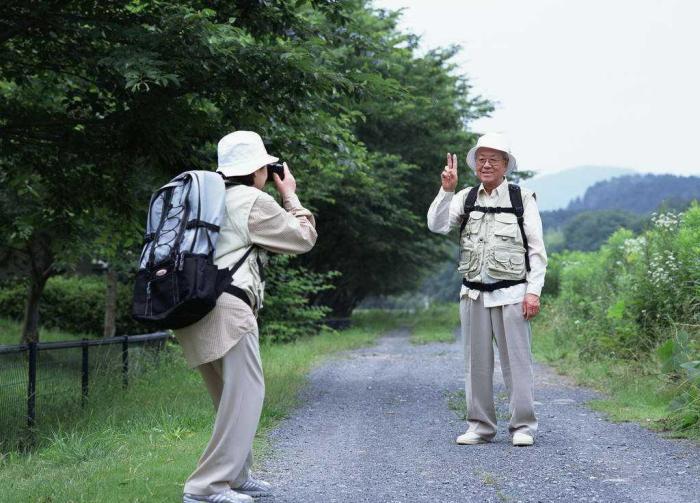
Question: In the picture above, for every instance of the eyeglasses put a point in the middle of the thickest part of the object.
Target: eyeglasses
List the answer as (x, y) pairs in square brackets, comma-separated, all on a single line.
[(481, 161)]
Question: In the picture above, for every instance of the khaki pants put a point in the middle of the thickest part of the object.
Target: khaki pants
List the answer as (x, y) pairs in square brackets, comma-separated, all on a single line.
[(506, 324), (237, 388)]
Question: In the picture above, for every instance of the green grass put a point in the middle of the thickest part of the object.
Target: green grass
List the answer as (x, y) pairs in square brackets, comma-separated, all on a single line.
[(457, 402), (435, 324), (140, 445), (10, 332), (634, 390)]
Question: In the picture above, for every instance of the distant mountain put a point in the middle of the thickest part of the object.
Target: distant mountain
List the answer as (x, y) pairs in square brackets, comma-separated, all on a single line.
[(639, 193), (557, 190), (636, 194)]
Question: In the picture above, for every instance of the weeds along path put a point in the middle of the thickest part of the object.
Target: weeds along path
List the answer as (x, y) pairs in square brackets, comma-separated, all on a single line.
[(379, 425)]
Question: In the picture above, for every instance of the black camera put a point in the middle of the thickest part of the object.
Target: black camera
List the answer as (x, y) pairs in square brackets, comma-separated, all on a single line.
[(275, 167)]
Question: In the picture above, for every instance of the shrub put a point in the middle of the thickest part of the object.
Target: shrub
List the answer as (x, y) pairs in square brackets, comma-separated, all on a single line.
[(638, 297), (634, 288), (679, 358), (76, 303), (73, 303), (287, 314)]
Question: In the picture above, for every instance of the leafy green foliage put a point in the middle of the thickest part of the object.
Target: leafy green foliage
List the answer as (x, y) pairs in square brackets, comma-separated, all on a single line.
[(637, 299), (624, 201), (102, 102), (287, 314), (74, 303), (589, 230)]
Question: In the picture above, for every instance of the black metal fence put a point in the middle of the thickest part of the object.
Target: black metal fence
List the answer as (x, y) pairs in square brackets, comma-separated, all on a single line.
[(47, 378), (337, 323)]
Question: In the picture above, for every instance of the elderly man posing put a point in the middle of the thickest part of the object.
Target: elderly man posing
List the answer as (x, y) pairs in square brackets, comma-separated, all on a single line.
[(502, 263)]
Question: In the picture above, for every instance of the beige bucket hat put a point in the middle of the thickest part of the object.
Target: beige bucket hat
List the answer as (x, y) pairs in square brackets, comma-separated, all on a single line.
[(495, 141), (241, 153)]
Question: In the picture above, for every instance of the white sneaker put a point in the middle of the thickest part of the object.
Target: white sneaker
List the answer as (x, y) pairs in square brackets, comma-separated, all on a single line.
[(224, 497), (521, 439), (471, 438), (255, 487)]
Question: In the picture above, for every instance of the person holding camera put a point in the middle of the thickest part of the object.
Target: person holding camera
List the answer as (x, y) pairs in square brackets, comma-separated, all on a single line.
[(224, 345)]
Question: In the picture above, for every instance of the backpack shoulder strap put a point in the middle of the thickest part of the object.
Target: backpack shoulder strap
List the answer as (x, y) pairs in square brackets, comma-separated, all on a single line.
[(241, 260), (469, 203), (226, 274), (516, 201)]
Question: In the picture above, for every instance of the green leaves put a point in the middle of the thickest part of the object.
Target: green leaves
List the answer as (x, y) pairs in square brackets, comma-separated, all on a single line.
[(103, 102), (692, 369), (636, 299), (617, 310), (141, 71)]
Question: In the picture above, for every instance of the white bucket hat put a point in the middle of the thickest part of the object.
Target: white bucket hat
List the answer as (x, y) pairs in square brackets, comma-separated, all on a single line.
[(495, 141), (242, 152)]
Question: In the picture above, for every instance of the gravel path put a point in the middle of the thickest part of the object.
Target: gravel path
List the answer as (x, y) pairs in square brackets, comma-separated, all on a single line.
[(376, 427)]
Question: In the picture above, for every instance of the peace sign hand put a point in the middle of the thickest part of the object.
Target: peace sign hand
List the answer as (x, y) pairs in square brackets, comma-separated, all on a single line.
[(449, 174)]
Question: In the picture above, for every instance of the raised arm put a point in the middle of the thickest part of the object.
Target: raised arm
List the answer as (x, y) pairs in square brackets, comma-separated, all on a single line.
[(291, 229), (445, 211)]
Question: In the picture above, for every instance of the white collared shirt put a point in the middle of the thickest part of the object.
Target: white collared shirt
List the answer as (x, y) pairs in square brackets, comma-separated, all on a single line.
[(445, 213)]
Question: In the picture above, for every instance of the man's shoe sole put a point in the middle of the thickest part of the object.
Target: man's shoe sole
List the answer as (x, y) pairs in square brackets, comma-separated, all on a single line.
[(256, 494), (524, 443), (476, 441), (191, 498)]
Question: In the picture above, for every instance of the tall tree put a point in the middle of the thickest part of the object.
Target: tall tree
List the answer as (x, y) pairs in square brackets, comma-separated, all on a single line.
[(103, 101), (414, 109)]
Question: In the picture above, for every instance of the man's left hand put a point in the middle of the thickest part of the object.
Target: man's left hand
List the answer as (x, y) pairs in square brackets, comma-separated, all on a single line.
[(531, 306)]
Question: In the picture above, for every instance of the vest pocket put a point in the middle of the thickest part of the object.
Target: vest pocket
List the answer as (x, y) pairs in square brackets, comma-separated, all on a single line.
[(474, 223), (505, 227), (506, 263), (468, 259)]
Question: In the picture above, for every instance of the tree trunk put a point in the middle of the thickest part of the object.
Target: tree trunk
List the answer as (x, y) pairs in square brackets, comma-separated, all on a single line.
[(110, 326), (41, 268), (30, 324), (341, 301)]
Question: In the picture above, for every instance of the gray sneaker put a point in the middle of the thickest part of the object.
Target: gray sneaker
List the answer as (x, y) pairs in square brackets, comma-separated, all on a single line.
[(229, 496), (255, 487)]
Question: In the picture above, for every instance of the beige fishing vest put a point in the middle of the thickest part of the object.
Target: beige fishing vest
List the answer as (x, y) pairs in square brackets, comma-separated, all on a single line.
[(491, 246), (234, 241)]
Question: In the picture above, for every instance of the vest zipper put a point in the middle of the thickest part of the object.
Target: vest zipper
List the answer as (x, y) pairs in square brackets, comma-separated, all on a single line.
[(487, 228)]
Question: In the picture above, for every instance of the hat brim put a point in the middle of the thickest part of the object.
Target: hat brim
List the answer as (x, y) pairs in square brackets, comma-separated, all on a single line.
[(247, 167), (471, 160)]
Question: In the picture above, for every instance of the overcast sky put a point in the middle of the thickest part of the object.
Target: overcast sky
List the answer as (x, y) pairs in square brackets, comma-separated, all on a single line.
[(578, 82)]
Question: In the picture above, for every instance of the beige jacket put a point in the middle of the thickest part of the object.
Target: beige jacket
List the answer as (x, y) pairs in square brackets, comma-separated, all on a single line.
[(253, 217)]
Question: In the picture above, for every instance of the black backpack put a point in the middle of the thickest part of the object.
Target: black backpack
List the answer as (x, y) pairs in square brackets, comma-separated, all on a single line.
[(177, 283)]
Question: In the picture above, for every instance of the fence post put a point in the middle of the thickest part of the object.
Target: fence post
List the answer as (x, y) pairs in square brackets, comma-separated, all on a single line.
[(125, 361), (86, 370), (31, 386)]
